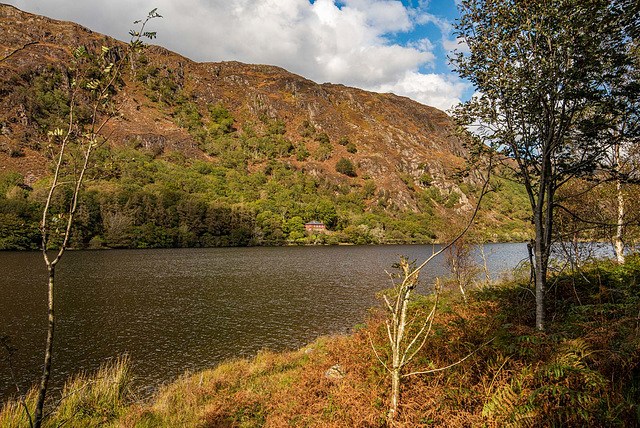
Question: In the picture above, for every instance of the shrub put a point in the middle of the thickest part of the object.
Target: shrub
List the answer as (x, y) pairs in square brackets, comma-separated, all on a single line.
[(307, 129), (323, 138), (346, 167), (302, 153), (323, 153), (425, 180), (222, 120), (277, 127)]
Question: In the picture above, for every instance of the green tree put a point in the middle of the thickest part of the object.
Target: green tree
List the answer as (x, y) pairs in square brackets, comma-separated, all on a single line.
[(540, 69), (95, 78), (346, 167), (222, 120), (295, 225)]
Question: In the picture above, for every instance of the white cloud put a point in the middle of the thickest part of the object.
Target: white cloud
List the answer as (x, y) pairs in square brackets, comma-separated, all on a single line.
[(325, 41), (458, 43), (436, 90)]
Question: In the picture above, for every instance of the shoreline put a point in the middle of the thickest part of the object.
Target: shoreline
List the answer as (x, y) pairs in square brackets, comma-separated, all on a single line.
[(337, 381)]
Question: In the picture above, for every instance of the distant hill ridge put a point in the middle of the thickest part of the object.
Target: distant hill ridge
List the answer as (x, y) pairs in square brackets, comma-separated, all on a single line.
[(236, 116)]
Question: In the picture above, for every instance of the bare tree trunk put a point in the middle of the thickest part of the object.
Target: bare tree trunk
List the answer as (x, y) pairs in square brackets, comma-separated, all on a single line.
[(543, 222), (395, 395), (403, 351), (484, 265), (46, 374), (540, 276), (460, 280), (618, 245), (397, 354)]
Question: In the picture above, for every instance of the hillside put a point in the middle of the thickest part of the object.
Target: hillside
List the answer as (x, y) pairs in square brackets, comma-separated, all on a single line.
[(242, 140)]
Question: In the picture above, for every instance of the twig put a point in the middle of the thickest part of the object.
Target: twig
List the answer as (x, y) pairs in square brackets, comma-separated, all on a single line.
[(461, 234), (450, 365), (376, 352)]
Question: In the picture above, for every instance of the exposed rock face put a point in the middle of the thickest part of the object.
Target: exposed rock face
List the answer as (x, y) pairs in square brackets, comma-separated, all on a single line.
[(398, 140)]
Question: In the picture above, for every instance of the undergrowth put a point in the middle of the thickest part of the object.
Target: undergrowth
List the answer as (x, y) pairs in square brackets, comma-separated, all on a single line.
[(582, 372)]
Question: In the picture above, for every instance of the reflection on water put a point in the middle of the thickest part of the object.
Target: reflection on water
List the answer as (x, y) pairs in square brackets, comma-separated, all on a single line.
[(188, 309)]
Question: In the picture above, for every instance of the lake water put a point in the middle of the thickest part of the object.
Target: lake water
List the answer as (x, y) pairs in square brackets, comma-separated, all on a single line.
[(189, 309)]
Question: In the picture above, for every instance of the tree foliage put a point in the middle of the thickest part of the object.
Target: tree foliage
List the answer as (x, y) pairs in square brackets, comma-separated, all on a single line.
[(545, 72)]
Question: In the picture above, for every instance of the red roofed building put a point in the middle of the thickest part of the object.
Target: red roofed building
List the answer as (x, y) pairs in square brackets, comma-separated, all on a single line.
[(314, 226)]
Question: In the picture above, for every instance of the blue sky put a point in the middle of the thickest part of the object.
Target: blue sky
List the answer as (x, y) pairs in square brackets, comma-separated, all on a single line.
[(397, 46), (444, 13)]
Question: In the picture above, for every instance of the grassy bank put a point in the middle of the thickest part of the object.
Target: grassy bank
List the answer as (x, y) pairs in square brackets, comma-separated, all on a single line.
[(582, 372)]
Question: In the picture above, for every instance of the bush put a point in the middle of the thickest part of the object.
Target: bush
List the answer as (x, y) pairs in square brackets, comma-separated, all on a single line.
[(277, 127), (302, 153), (425, 180), (346, 167), (323, 153), (307, 130), (222, 120), (323, 138)]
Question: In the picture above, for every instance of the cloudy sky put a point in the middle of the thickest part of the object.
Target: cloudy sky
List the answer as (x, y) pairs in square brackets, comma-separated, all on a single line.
[(379, 45)]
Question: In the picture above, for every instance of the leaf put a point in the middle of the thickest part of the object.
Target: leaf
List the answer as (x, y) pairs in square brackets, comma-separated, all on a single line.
[(79, 52), (56, 132), (93, 84)]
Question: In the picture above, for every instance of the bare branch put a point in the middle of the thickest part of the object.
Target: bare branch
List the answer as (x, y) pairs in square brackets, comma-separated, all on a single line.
[(469, 223), (376, 352), (450, 365)]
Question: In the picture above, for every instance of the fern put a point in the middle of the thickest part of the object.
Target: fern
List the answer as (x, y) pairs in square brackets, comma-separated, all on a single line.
[(569, 387)]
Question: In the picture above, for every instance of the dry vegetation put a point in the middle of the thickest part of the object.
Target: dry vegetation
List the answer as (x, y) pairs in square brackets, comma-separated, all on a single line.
[(582, 372)]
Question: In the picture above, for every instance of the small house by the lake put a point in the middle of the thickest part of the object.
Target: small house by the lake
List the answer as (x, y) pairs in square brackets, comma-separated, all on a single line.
[(314, 226)]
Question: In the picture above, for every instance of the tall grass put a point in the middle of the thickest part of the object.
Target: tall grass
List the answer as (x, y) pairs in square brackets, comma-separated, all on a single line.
[(88, 399)]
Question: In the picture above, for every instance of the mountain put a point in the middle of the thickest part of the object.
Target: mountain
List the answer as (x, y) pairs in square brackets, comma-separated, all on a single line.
[(378, 159)]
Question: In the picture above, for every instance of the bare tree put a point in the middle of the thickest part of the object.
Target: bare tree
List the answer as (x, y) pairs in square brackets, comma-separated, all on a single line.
[(404, 347), (72, 148), (460, 262)]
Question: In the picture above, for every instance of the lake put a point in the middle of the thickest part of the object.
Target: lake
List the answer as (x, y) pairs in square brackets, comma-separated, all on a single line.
[(189, 309)]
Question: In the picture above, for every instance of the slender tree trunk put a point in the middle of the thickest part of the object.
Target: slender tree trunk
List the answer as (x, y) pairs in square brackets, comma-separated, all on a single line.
[(459, 278), (395, 394), (543, 221), (44, 380), (540, 273), (539, 251), (396, 355), (618, 245)]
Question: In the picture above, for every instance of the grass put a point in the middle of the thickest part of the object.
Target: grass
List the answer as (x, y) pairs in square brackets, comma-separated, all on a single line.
[(86, 400), (583, 371)]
